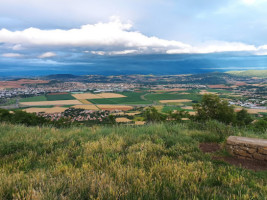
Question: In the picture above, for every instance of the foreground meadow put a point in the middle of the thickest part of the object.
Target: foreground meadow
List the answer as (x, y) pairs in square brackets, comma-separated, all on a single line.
[(159, 161)]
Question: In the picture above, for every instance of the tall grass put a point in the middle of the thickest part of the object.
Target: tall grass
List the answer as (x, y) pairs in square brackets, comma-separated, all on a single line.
[(157, 161)]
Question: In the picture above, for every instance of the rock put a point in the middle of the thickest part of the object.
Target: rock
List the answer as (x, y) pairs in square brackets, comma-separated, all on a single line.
[(258, 156), (263, 151), (241, 152), (247, 148)]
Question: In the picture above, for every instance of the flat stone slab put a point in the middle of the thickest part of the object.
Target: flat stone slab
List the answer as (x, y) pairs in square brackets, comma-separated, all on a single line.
[(247, 148), (246, 140)]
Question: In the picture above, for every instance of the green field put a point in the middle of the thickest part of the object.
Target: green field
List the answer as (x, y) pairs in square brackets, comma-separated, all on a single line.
[(131, 98), (167, 109), (219, 91), (59, 97), (35, 98), (160, 161), (169, 96)]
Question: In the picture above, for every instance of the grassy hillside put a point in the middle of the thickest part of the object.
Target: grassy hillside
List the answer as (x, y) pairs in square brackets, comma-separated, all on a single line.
[(250, 73), (159, 161)]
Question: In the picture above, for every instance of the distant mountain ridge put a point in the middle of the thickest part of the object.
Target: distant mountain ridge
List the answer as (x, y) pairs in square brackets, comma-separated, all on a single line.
[(250, 73)]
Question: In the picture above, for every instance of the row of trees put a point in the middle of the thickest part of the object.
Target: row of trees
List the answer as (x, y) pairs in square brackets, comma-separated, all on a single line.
[(211, 107), (29, 119)]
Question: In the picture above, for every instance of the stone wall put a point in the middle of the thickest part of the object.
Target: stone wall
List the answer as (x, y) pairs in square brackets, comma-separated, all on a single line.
[(247, 148)]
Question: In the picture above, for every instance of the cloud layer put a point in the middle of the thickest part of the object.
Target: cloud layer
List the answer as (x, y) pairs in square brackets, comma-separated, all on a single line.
[(112, 38)]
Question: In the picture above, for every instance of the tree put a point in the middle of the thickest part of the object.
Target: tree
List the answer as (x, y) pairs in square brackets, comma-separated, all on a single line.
[(112, 119), (152, 115), (243, 118), (261, 125), (212, 107), (4, 115), (177, 116)]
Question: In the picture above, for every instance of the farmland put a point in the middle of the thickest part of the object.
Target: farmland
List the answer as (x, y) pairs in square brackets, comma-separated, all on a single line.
[(86, 107), (175, 101), (35, 98), (164, 98), (115, 107), (57, 97), (45, 103), (171, 96), (130, 98)]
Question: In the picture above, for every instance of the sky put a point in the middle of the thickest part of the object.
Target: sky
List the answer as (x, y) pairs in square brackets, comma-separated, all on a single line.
[(49, 31)]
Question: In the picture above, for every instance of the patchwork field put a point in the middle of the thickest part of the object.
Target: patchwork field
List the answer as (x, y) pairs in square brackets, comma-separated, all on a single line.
[(60, 96), (194, 96), (84, 101), (252, 111), (187, 108), (175, 101), (97, 96), (122, 120), (20, 83), (36, 98), (45, 110), (35, 110), (86, 107), (111, 95), (86, 96), (192, 113), (44, 103), (130, 98), (115, 107), (202, 92)]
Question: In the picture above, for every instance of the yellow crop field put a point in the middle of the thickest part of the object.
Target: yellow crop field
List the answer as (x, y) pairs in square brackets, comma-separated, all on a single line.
[(185, 119), (111, 95), (192, 113), (86, 107), (35, 110), (202, 92), (86, 96), (175, 101), (118, 114), (188, 108), (84, 101), (122, 120), (97, 96), (140, 123), (45, 110), (115, 107), (55, 110), (48, 103), (253, 111)]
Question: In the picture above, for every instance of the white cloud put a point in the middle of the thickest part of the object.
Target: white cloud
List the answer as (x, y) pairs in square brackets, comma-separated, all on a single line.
[(114, 34), (215, 46), (113, 38), (47, 55), (124, 52), (17, 47), (11, 55)]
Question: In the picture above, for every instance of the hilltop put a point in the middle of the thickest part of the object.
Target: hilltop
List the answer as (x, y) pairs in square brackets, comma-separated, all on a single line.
[(250, 73), (156, 161)]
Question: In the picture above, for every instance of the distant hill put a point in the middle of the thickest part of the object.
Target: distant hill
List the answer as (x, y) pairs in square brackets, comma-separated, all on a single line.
[(250, 73), (61, 76)]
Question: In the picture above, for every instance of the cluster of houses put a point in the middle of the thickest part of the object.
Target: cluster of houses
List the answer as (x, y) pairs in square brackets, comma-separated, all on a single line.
[(78, 115), (251, 103)]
